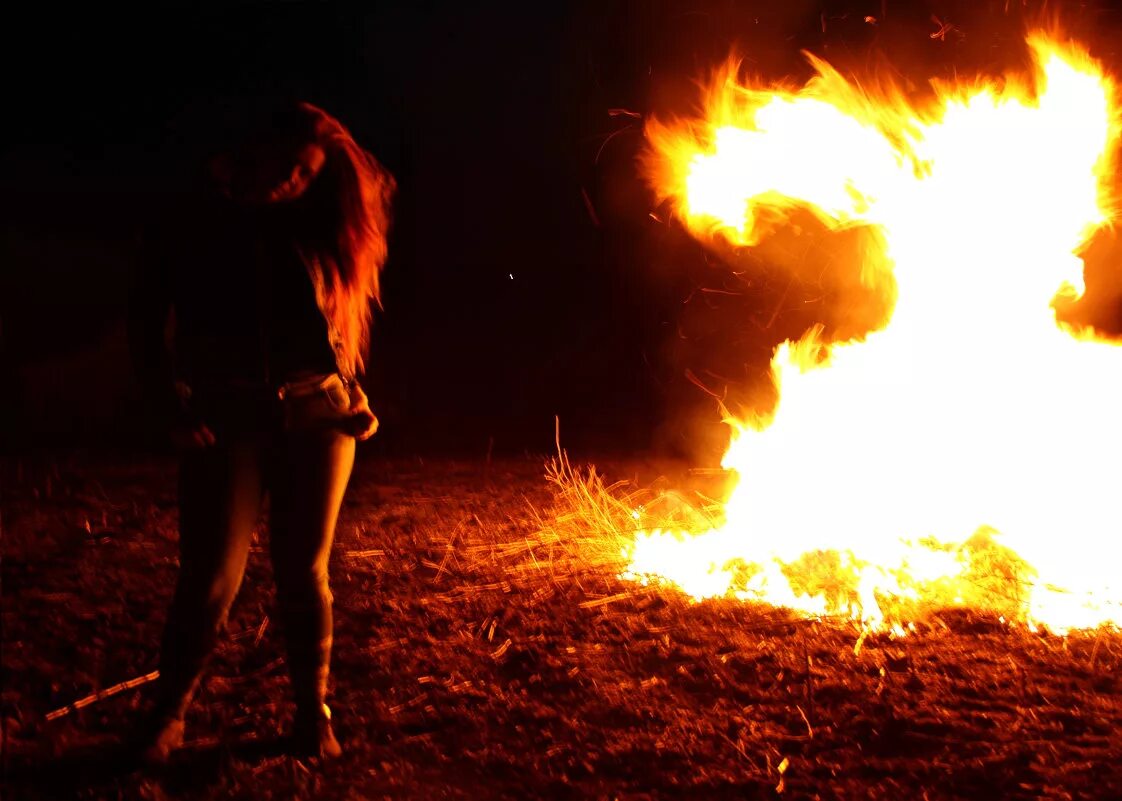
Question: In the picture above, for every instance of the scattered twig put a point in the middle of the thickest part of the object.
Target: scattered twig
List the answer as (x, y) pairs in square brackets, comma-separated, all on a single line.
[(101, 695), (261, 631), (366, 554), (806, 720), (621, 596)]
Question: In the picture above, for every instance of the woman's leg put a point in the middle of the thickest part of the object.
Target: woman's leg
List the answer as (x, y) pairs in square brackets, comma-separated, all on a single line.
[(220, 493), (312, 469)]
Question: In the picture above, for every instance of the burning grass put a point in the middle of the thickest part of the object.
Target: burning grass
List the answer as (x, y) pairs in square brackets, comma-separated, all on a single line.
[(594, 525), (487, 648)]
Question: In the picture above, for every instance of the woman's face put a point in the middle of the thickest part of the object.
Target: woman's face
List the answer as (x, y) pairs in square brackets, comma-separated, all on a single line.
[(275, 172)]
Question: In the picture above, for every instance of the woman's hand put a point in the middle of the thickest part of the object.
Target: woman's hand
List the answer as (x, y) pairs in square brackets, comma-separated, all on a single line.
[(191, 437), (362, 423)]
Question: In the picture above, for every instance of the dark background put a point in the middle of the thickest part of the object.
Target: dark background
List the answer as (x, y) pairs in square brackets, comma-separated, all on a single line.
[(531, 274)]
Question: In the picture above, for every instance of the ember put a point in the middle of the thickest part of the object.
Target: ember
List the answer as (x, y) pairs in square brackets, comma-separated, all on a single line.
[(959, 455)]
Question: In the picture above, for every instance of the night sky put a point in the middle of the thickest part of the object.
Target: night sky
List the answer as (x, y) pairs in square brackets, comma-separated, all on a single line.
[(527, 277)]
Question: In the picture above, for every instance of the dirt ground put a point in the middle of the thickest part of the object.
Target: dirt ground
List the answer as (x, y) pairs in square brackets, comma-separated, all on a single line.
[(469, 664)]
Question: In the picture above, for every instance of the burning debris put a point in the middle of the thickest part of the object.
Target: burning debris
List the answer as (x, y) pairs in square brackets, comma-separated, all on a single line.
[(960, 455)]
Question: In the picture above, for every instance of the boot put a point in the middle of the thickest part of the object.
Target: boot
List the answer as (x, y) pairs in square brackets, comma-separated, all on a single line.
[(309, 662), (159, 738), (161, 731), (312, 735)]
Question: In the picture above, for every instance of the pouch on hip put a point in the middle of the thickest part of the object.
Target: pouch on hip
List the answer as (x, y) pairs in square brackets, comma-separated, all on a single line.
[(315, 403)]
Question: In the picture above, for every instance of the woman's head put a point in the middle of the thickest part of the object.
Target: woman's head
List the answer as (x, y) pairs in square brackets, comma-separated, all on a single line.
[(276, 159), (279, 172), (304, 158)]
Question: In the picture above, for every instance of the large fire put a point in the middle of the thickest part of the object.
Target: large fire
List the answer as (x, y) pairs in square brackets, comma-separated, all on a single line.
[(969, 452)]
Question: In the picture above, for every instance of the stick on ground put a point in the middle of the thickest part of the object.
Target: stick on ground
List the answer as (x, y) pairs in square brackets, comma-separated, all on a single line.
[(101, 695)]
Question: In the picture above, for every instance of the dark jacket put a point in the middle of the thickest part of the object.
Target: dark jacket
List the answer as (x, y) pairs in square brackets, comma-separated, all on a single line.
[(241, 305)]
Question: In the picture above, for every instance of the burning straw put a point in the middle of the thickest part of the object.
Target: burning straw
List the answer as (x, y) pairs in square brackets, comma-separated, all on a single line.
[(598, 527), (601, 526)]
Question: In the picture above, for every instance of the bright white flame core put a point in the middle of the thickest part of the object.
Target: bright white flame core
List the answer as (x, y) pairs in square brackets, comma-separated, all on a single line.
[(973, 408)]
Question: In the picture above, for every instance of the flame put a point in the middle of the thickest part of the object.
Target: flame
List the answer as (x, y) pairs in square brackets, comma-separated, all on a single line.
[(967, 453)]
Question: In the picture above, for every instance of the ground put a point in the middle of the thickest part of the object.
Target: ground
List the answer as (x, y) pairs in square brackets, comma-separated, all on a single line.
[(476, 658)]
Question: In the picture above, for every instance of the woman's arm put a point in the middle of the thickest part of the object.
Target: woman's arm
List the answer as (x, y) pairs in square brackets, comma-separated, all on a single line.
[(150, 308)]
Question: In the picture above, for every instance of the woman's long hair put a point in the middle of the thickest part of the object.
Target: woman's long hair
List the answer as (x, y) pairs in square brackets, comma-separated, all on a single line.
[(342, 225)]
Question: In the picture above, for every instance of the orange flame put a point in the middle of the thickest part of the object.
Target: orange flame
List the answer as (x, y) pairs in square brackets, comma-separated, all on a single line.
[(974, 438)]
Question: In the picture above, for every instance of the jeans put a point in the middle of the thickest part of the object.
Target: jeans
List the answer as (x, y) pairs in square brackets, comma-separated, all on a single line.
[(304, 471)]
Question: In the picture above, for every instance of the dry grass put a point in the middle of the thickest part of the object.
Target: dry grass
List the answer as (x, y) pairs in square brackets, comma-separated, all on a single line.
[(581, 533)]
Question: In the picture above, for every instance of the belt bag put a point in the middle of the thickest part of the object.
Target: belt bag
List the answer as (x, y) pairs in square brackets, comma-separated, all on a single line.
[(318, 402)]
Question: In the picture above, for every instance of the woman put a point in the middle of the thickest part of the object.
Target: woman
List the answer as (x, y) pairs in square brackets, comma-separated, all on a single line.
[(268, 278)]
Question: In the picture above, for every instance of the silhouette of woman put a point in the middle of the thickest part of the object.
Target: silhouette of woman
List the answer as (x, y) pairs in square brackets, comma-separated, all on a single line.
[(267, 279)]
